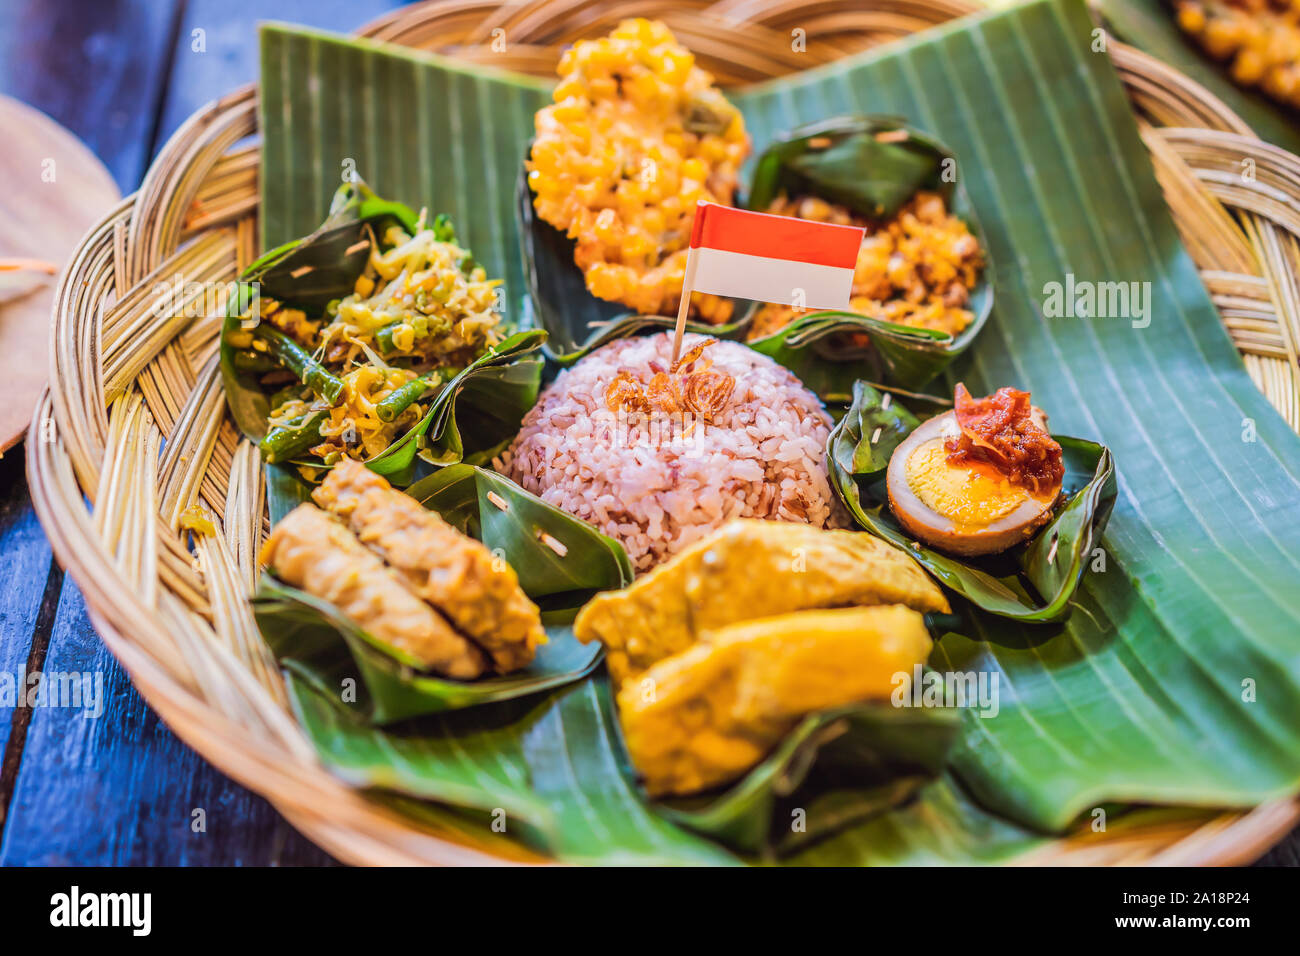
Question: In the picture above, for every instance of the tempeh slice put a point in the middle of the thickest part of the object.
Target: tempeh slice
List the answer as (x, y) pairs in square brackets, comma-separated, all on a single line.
[(478, 592), (312, 551)]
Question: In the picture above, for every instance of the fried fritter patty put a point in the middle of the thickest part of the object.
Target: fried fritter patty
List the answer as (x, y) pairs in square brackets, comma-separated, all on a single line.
[(703, 717), (312, 551), (479, 593), (637, 135), (745, 570)]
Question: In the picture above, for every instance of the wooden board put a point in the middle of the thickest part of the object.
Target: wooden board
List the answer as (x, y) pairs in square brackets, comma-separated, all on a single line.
[(56, 190)]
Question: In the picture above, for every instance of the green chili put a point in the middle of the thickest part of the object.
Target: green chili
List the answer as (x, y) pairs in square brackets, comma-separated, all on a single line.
[(443, 230), (295, 392), (384, 338)]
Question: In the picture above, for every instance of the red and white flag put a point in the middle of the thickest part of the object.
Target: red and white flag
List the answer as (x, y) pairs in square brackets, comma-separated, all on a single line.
[(754, 255)]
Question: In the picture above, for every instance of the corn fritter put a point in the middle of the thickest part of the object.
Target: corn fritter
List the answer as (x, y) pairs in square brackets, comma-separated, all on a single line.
[(636, 136)]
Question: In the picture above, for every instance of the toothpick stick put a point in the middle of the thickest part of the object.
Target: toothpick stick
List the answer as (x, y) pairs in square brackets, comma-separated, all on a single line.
[(688, 283)]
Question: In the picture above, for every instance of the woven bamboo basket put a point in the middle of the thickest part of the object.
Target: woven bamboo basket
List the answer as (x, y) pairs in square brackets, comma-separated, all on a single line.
[(133, 428)]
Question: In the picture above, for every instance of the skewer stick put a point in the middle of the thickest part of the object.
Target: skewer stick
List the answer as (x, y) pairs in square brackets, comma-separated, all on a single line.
[(688, 283)]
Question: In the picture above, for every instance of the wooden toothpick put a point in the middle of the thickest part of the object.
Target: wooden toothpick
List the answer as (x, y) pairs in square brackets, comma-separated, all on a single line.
[(688, 282)]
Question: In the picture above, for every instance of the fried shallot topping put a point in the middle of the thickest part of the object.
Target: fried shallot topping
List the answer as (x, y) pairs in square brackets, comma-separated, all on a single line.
[(999, 433), (690, 385)]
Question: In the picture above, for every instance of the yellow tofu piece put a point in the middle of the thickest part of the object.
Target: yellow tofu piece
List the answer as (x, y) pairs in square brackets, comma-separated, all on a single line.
[(745, 570), (703, 717)]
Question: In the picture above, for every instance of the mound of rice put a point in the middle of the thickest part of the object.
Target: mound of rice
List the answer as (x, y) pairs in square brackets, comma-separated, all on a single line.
[(658, 483)]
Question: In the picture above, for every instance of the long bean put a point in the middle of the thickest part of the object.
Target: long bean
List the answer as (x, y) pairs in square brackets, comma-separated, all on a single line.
[(400, 399), (299, 361), (288, 441), (295, 392), (384, 337)]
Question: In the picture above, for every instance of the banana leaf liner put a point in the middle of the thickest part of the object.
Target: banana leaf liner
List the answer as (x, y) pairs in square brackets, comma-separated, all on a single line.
[(311, 272), (871, 165), (372, 679), (838, 767), (575, 320), (314, 640), (547, 771), (1033, 582), (834, 771), (554, 766)]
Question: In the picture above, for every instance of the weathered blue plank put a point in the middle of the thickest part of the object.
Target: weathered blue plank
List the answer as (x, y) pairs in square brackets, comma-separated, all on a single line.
[(107, 784), (96, 66), (27, 569), (216, 49), (142, 782)]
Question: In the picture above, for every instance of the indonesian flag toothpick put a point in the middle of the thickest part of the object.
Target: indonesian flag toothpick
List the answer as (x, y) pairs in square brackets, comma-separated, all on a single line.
[(754, 255)]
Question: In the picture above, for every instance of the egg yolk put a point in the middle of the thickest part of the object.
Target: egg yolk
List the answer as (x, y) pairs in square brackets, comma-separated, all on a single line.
[(964, 496)]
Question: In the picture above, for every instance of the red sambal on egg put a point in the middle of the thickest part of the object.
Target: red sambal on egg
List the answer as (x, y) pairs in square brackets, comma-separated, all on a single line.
[(999, 433)]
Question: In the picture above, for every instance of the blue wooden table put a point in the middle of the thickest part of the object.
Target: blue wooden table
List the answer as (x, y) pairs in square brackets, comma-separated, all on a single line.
[(121, 789), (122, 75)]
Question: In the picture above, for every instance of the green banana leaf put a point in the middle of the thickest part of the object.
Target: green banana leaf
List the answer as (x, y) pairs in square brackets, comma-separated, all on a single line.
[(855, 161), (531, 762), (497, 384), (858, 162), (323, 647), (553, 770), (1053, 561), (328, 258), (1175, 680), (559, 583), (1150, 26), (496, 402), (885, 422), (326, 649), (285, 490), (806, 346)]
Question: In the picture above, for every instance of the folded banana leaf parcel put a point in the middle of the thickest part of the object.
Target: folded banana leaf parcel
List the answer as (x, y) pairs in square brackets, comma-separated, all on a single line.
[(1032, 566), (366, 338)]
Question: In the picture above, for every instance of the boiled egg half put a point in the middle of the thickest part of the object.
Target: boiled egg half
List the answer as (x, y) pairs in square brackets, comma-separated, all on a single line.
[(957, 507)]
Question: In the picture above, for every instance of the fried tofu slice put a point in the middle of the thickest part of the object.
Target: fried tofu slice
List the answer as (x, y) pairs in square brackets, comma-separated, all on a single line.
[(745, 570), (313, 552), (479, 593), (703, 717)]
